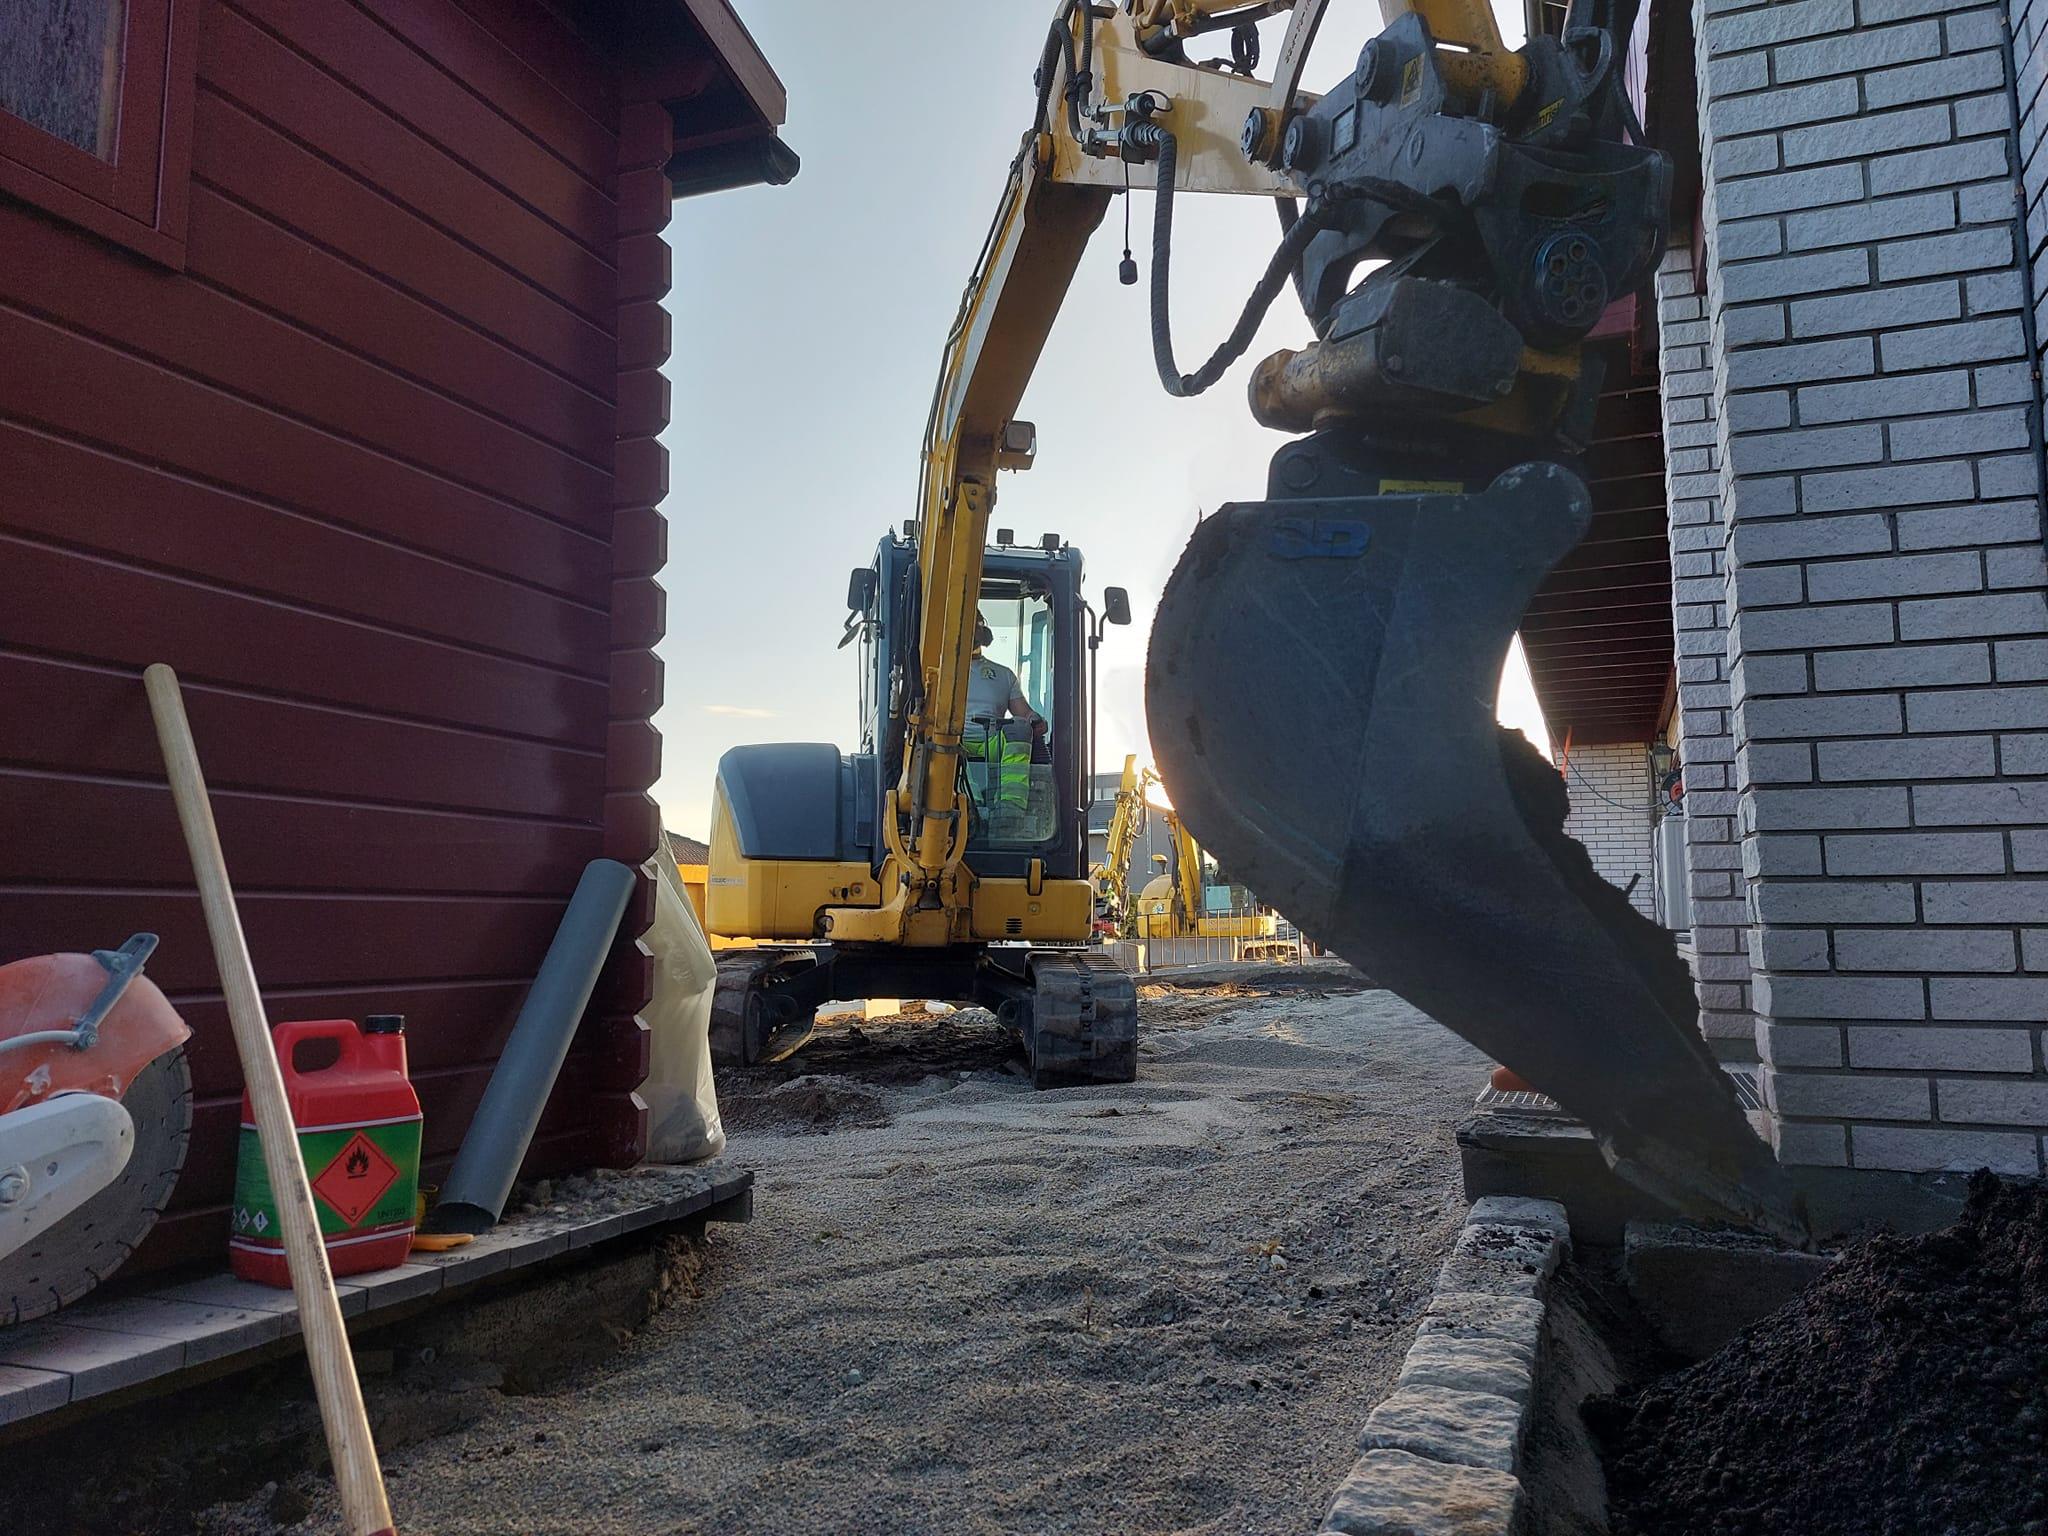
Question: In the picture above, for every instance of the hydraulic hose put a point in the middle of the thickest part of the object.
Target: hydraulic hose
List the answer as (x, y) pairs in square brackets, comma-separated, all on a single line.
[(1278, 271)]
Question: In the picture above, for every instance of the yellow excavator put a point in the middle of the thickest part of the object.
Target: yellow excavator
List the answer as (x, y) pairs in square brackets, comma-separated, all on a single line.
[(1182, 902), (1114, 913), (1455, 217), (1176, 903)]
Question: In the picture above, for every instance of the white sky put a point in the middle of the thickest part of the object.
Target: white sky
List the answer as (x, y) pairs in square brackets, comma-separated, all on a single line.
[(808, 321)]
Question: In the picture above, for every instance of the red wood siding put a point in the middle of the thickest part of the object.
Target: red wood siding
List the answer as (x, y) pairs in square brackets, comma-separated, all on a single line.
[(362, 472)]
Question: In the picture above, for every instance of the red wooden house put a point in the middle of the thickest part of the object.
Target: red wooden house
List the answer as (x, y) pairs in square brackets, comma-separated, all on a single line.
[(331, 337)]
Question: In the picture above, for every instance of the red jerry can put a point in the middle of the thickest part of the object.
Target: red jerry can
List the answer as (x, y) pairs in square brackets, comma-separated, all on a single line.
[(359, 1134)]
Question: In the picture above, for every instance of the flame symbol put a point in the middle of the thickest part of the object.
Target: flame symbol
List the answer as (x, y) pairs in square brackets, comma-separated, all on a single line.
[(358, 1162)]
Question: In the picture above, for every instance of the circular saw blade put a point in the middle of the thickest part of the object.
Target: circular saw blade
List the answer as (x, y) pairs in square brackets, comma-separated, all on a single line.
[(93, 1241)]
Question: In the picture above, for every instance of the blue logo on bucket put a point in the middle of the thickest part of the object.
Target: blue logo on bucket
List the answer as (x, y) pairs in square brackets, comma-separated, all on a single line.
[(1317, 538)]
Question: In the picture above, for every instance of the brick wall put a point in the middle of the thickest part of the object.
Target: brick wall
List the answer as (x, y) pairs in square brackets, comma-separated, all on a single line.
[(1888, 631), (2029, 23), (1699, 597), (1612, 814)]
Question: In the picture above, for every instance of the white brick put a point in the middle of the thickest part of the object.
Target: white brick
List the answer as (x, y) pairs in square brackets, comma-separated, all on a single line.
[(1799, 1045), (1893, 486), (1848, 1096), (1840, 997), (1902, 666), (1975, 1101), (1856, 51), (1956, 76), (1804, 810), (2019, 998), (2013, 803), (1972, 250), (1924, 949), (1833, 901), (1916, 853), (1838, 581), (1915, 1150), (1940, 1048), (1810, 1144), (1933, 757), (1985, 901)]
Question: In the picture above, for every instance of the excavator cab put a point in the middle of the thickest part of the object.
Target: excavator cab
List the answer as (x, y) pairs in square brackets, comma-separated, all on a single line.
[(1025, 774)]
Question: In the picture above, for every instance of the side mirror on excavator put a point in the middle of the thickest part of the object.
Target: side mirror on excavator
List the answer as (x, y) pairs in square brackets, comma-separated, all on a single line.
[(1116, 605), (860, 595), (860, 588)]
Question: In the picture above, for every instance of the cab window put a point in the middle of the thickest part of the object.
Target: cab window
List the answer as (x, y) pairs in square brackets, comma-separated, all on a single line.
[(1008, 750)]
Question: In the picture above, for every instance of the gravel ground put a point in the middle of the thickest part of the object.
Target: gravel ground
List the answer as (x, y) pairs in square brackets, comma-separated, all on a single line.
[(965, 1307)]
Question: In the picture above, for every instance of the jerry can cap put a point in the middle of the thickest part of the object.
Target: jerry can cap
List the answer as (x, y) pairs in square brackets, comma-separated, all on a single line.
[(384, 1024)]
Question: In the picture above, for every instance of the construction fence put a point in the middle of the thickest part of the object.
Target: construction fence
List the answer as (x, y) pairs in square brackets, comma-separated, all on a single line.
[(1145, 957)]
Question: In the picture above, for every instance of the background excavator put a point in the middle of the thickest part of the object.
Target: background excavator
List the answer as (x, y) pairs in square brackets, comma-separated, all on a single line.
[(1115, 912), (1181, 901), (1455, 218)]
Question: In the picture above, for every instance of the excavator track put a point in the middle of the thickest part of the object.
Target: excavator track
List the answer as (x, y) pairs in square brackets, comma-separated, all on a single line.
[(750, 1023), (1082, 1020)]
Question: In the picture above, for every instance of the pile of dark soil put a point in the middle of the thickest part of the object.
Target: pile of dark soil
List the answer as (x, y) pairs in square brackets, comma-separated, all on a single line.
[(1906, 1394)]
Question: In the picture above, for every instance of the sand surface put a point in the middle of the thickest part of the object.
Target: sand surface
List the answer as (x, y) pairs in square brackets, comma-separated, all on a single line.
[(965, 1307)]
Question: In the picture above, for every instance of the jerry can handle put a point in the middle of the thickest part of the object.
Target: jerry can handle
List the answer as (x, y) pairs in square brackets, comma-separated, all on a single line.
[(293, 1033)]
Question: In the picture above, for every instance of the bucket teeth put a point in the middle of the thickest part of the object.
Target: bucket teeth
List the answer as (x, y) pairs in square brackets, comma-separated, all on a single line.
[(1321, 691)]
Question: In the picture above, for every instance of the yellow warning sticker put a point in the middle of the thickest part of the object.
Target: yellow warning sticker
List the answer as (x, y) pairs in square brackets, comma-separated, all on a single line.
[(1411, 80), (1543, 118), (1422, 487)]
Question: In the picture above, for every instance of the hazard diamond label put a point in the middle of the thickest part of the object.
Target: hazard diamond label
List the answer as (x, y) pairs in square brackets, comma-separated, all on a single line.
[(358, 1176)]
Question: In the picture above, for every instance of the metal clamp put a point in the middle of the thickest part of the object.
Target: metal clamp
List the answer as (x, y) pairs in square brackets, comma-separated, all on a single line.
[(122, 966)]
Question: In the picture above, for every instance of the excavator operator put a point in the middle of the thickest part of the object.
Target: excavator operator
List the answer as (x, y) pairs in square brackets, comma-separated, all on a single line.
[(993, 692), (993, 696)]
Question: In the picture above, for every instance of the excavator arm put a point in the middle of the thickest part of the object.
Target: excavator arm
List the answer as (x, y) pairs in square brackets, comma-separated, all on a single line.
[(1187, 872), (1078, 151)]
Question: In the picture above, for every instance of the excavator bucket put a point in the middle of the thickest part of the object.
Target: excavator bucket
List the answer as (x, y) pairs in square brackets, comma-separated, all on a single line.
[(1321, 690)]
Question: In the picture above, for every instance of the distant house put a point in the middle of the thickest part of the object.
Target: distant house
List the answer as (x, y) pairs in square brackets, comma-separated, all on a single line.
[(331, 348)]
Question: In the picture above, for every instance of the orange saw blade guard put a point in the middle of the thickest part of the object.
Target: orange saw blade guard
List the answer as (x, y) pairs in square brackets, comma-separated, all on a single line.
[(51, 994)]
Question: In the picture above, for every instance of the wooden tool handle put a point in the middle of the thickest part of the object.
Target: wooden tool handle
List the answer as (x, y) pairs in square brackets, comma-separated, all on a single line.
[(356, 1472)]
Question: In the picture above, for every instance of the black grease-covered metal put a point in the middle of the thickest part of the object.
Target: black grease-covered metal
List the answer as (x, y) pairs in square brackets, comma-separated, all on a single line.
[(1321, 690)]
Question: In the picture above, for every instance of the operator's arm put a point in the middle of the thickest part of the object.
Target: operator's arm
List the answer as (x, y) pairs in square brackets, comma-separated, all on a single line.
[(1020, 709)]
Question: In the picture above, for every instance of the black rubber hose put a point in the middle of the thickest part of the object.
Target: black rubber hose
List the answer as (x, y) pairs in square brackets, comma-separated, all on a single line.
[(1278, 271), (1084, 77)]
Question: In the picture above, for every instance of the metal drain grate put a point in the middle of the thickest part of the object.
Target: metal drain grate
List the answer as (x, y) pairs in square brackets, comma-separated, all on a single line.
[(1517, 1101), (1523, 1101)]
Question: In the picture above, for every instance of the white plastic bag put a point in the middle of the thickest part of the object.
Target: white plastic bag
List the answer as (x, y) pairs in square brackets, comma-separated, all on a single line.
[(682, 1104)]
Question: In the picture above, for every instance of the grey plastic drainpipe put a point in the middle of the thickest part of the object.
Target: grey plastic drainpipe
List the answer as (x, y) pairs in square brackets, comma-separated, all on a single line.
[(473, 1196)]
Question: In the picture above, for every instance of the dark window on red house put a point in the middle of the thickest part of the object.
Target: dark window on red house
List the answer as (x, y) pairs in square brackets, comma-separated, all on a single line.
[(96, 114)]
